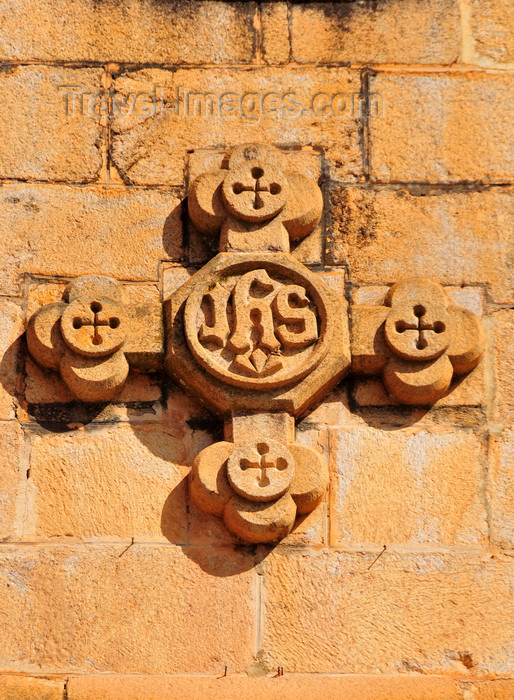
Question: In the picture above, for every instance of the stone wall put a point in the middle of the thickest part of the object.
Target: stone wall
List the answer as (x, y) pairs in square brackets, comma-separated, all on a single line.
[(113, 584)]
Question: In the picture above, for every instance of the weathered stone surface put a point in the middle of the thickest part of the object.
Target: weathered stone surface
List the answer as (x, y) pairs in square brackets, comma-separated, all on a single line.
[(491, 39), (411, 486), (341, 618), (13, 477), (92, 334), (83, 600), (113, 482), (137, 32), (501, 489), (275, 32), (26, 688), (105, 228), (503, 329), (417, 341), (456, 237), (443, 128), (153, 150), (44, 142), (362, 32), (11, 328), (497, 689), (287, 687)]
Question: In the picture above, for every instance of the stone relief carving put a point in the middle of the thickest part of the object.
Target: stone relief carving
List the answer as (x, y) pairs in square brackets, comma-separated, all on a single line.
[(258, 338), (417, 341), (94, 336), (256, 333)]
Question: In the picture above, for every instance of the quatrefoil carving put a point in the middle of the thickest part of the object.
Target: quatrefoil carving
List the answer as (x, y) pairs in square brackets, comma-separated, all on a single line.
[(417, 341), (94, 336), (256, 203)]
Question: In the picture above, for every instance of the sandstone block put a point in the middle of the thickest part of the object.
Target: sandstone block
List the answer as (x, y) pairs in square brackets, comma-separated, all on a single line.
[(275, 32), (416, 485), (266, 105), (453, 237), (491, 40), (409, 612), (113, 482), (46, 143), (501, 489), (11, 328), (146, 610), (105, 228), (26, 688), (362, 32), (132, 31), (12, 478), (443, 128), (503, 329), (287, 687)]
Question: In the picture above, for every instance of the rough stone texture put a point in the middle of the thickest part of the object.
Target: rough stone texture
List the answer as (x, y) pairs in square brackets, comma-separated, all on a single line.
[(501, 489), (342, 614), (275, 32), (287, 687), (423, 189), (12, 478), (131, 30), (23, 688), (503, 329), (44, 143), (105, 228), (363, 32), (491, 38), (110, 482), (153, 150), (433, 476), (442, 128), (82, 600), (11, 328), (454, 237)]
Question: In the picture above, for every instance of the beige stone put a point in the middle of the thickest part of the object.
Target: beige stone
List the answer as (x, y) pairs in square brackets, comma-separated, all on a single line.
[(497, 689), (106, 228), (305, 161), (284, 382), (286, 687), (408, 613), (154, 150), (491, 38), (457, 237), (46, 143), (113, 482), (159, 600), (136, 32), (13, 478), (419, 343), (11, 328), (383, 33), (26, 688), (275, 32), (442, 128), (255, 202), (501, 489), (91, 336), (503, 328), (258, 486), (418, 485)]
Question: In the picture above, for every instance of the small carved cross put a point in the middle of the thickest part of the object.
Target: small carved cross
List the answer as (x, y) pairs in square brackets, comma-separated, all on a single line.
[(421, 326), (264, 464), (257, 174), (96, 323)]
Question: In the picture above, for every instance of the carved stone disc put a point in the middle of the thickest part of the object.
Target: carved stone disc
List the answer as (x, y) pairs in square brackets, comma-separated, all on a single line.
[(258, 328)]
